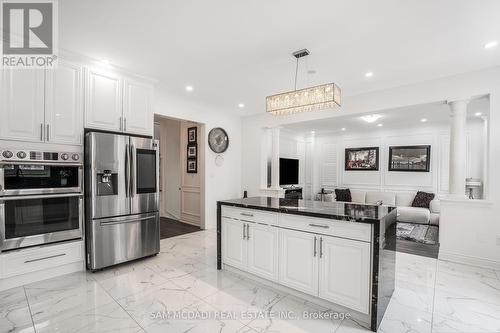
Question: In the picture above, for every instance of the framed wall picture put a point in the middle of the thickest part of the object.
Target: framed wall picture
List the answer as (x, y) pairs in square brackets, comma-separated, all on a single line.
[(192, 134), (192, 151), (410, 158), (362, 159), (192, 165)]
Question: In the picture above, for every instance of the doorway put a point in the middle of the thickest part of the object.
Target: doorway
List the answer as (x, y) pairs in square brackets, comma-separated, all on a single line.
[(182, 165)]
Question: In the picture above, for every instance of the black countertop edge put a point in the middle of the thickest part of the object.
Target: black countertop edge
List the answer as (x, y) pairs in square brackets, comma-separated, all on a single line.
[(325, 215)]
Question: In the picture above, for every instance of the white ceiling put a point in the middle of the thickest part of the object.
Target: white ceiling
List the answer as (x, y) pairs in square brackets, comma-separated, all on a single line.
[(235, 51), (399, 118)]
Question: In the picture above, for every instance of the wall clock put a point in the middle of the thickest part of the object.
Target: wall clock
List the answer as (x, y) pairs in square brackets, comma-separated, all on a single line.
[(218, 140)]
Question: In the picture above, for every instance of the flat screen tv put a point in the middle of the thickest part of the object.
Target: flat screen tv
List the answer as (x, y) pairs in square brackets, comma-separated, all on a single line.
[(289, 171)]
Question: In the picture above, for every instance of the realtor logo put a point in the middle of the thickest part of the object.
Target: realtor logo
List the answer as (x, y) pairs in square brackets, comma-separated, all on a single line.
[(29, 33)]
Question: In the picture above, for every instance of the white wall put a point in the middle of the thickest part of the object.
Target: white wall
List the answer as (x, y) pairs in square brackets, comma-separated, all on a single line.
[(329, 158), (384, 180), (221, 182), (465, 232)]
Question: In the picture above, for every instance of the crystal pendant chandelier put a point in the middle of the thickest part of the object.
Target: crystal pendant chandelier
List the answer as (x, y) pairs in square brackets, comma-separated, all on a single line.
[(325, 96)]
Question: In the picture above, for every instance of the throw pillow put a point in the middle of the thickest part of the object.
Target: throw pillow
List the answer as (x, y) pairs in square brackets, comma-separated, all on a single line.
[(343, 195), (423, 199)]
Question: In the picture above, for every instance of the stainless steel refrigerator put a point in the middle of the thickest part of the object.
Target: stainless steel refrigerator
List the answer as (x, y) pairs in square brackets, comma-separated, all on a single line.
[(121, 198)]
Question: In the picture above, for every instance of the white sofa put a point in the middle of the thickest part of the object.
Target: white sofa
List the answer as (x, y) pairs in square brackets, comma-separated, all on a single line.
[(401, 200)]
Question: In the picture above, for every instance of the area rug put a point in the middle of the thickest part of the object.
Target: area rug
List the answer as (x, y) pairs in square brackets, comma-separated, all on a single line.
[(421, 233)]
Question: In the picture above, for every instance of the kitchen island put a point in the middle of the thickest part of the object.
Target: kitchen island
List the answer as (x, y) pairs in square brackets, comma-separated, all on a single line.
[(334, 252)]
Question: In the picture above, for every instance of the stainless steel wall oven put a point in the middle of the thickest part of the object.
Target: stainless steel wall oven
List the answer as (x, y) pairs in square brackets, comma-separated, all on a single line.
[(41, 198)]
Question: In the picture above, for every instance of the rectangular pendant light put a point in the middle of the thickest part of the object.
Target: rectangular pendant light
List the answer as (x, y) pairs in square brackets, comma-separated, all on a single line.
[(325, 96)]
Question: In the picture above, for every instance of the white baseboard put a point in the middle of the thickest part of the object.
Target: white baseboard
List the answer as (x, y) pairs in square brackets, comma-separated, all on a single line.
[(469, 260), (170, 215), (196, 224)]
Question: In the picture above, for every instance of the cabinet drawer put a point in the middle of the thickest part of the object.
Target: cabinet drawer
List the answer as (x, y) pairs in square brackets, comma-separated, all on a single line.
[(39, 258), (250, 215), (351, 230)]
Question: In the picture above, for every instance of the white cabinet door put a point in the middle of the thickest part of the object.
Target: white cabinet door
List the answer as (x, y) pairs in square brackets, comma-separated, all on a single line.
[(234, 247), (298, 261), (263, 251), (22, 105), (345, 273), (64, 104), (103, 100), (138, 107)]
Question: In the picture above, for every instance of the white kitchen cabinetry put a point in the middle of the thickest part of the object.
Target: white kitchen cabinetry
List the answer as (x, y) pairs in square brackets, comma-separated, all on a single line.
[(250, 247), (117, 103), (64, 104), (137, 107), (298, 261), (263, 251), (22, 105), (43, 106), (103, 100), (344, 272), (234, 245)]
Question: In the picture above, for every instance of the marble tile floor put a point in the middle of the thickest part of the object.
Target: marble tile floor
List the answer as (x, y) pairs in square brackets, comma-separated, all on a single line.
[(179, 290)]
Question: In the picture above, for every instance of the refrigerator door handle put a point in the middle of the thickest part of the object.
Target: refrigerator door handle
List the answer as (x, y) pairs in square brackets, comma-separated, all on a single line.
[(132, 220), (127, 171), (132, 171)]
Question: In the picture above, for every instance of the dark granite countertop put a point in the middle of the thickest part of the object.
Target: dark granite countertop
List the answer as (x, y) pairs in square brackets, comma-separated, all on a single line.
[(332, 210)]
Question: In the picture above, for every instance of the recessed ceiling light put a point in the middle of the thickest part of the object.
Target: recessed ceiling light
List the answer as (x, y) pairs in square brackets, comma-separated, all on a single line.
[(424, 120), (241, 105), (343, 129), (189, 88), (371, 118), (491, 44), (313, 132), (478, 114), (368, 74), (380, 125)]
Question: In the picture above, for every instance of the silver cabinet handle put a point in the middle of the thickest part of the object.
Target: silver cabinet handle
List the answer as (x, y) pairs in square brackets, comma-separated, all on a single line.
[(124, 124), (244, 230), (48, 132), (321, 247), (49, 257), (41, 132), (248, 231), (315, 241), (319, 226), (246, 214), (121, 123)]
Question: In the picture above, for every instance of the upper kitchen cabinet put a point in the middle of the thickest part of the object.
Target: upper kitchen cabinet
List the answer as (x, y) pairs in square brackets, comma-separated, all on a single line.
[(64, 104), (118, 103), (103, 100), (137, 107), (22, 105)]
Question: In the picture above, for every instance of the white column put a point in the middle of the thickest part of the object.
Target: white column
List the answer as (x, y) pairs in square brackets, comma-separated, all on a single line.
[(275, 159), (266, 151), (458, 146)]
